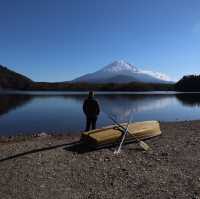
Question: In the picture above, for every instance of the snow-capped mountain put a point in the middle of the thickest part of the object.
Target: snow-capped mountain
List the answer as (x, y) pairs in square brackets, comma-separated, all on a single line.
[(123, 72)]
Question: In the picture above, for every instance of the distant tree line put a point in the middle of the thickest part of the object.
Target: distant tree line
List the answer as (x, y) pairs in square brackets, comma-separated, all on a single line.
[(134, 86), (12, 80), (188, 83)]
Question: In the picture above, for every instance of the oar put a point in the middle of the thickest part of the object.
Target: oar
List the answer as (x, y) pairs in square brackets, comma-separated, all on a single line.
[(124, 136), (141, 143)]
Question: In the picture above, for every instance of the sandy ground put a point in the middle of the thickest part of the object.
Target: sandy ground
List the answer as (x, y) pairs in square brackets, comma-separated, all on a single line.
[(170, 170)]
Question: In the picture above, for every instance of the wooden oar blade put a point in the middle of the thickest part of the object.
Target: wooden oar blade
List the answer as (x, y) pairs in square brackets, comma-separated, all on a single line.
[(144, 145)]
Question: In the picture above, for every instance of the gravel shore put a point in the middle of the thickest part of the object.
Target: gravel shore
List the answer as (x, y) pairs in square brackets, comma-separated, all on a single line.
[(170, 170)]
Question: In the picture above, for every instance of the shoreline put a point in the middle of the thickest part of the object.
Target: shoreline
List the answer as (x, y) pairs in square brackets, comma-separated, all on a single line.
[(26, 137), (45, 92), (43, 135), (169, 170)]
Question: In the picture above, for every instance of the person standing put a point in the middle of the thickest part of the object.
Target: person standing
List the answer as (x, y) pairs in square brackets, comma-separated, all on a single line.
[(91, 110)]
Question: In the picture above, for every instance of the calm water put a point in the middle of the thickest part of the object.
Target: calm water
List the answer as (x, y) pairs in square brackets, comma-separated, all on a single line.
[(32, 112)]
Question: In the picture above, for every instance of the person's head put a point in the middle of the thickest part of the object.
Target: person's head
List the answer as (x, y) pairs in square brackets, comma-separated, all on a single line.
[(91, 94)]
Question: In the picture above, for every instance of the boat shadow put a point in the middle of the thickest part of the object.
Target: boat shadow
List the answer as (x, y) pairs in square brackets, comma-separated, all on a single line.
[(82, 148)]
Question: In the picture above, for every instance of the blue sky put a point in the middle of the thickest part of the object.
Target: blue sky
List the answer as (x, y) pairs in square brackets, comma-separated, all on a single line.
[(57, 40)]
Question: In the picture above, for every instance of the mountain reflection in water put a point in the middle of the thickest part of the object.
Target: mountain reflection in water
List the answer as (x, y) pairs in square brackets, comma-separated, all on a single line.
[(189, 99), (124, 106), (11, 102)]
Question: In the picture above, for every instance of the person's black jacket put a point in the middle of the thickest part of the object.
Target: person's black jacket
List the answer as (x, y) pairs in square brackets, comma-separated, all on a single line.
[(91, 107)]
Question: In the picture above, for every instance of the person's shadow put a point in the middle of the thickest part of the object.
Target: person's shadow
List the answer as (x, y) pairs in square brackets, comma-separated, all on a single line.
[(40, 150), (79, 147), (76, 146)]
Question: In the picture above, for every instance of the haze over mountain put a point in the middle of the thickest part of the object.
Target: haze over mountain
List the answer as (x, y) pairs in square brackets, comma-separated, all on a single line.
[(123, 72)]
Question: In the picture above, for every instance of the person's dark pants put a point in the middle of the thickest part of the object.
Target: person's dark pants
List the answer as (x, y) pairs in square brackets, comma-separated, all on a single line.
[(90, 121)]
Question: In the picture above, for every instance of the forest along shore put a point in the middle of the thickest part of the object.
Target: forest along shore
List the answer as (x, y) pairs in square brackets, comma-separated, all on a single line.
[(170, 170)]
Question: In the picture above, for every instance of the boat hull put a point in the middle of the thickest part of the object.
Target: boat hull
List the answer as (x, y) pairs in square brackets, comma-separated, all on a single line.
[(112, 134)]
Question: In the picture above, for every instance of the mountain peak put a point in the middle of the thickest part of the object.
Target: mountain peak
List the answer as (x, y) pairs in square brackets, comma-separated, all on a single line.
[(122, 62), (118, 66), (122, 71)]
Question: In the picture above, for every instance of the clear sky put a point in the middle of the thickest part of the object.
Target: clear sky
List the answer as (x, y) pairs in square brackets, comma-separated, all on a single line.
[(57, 40)]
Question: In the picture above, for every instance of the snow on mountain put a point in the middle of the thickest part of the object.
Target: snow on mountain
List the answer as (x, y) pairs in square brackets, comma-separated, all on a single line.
[(119, 66), (123, 72)]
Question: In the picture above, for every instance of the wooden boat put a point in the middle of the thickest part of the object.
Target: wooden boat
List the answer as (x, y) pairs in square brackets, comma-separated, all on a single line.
[(112, 134)]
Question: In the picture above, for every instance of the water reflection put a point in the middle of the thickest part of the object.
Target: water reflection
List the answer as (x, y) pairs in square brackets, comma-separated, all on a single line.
[(124, 106), (11, 102), (189, 99)]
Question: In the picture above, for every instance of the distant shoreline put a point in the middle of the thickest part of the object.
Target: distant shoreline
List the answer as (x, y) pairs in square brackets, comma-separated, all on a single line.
[(97, 92)]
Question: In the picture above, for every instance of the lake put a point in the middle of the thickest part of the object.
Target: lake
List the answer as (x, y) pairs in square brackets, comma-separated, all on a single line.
[(61, 112)]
